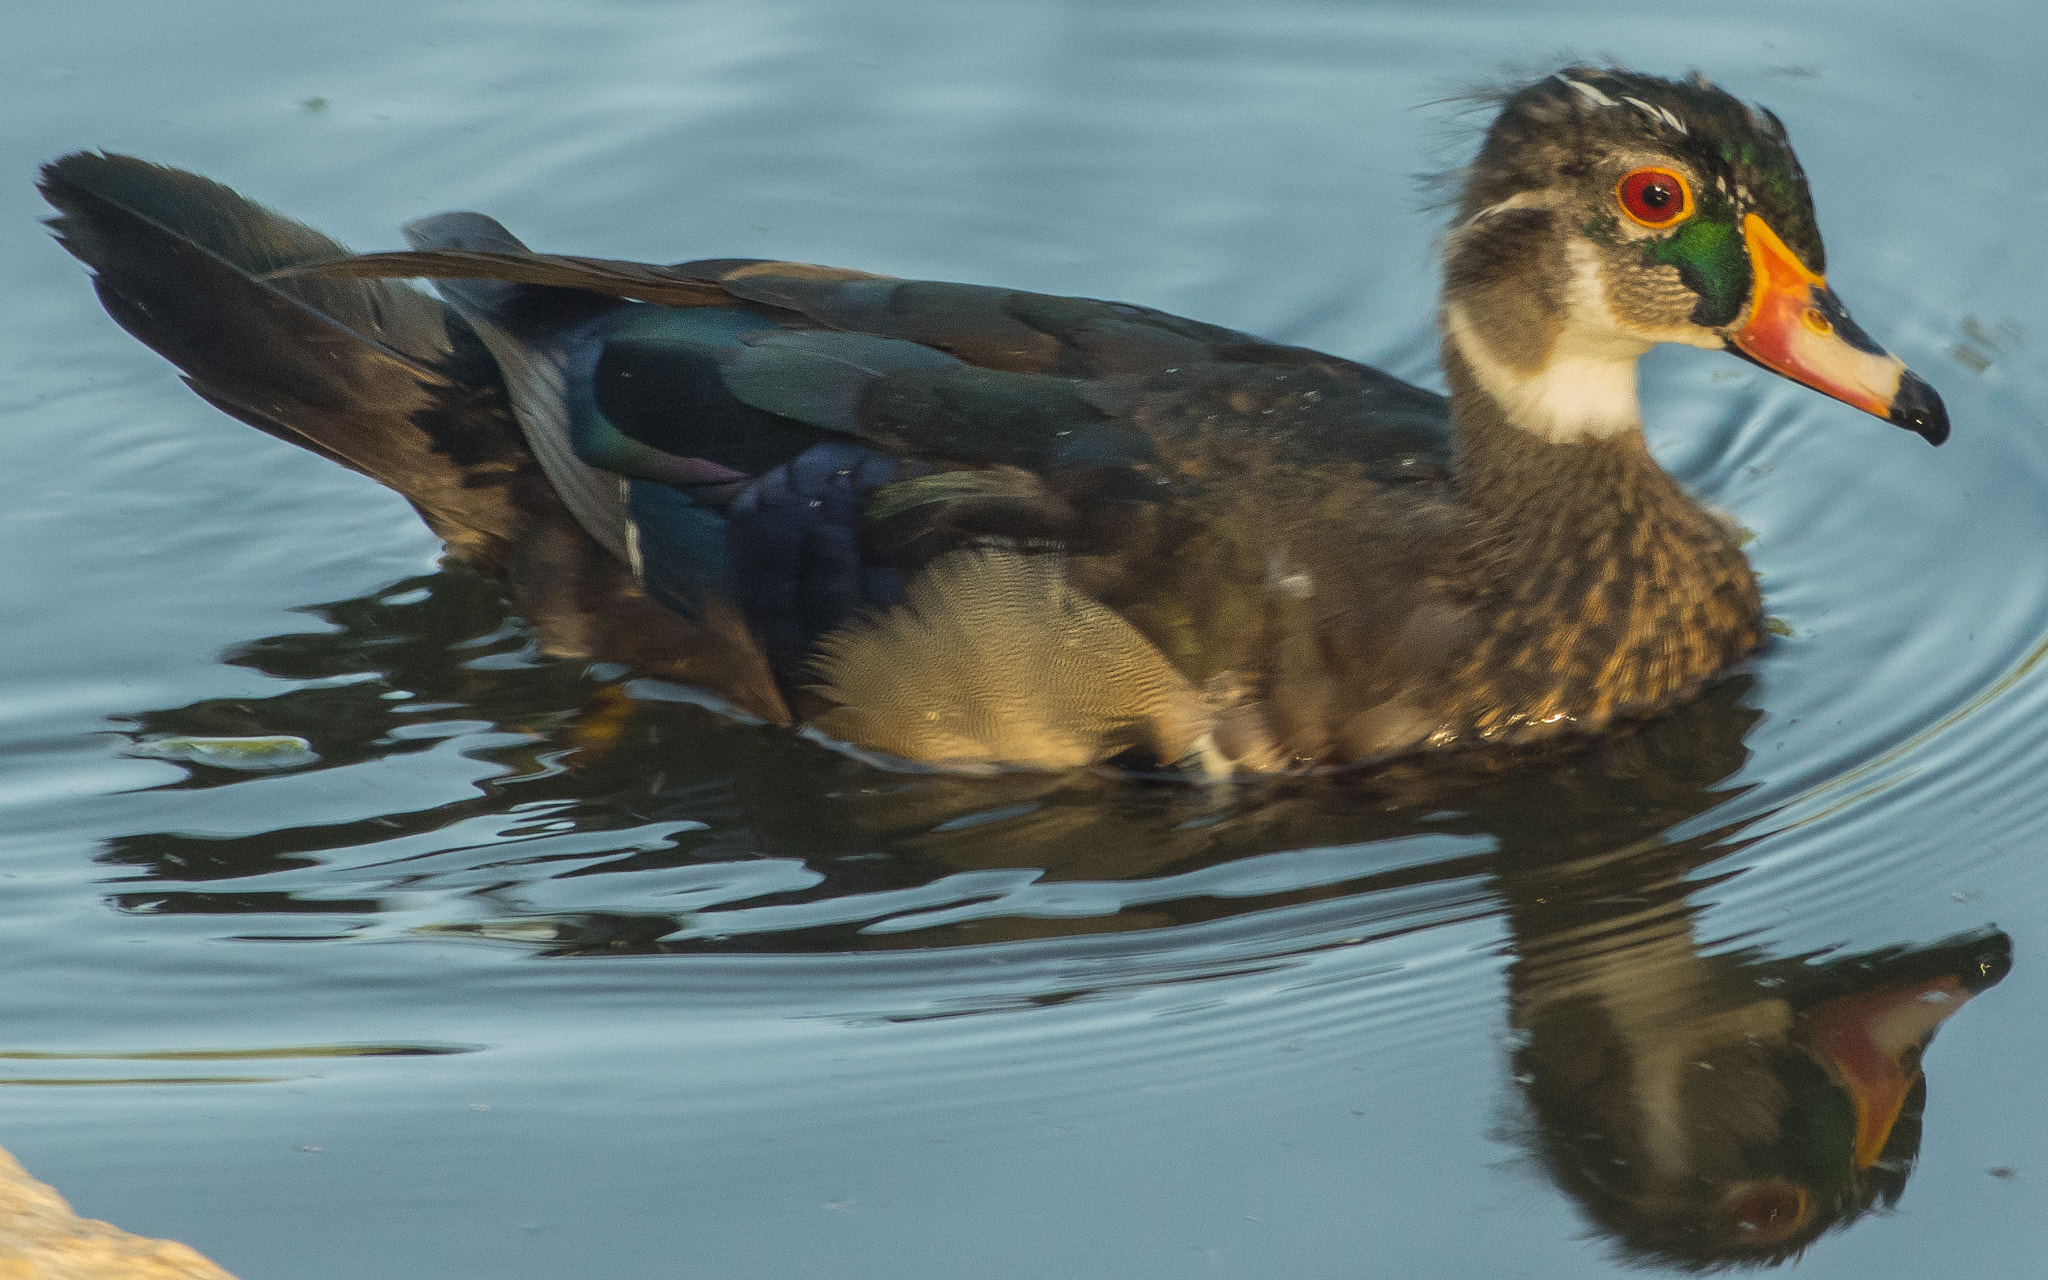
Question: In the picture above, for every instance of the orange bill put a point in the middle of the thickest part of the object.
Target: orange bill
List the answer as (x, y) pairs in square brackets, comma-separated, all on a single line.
[(1799, 328)]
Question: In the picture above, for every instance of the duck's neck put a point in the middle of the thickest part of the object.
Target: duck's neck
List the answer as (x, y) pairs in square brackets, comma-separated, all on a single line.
[(1601, 589)]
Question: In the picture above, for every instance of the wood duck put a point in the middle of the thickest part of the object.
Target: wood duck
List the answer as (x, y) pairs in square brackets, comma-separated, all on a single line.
[(974, 528)]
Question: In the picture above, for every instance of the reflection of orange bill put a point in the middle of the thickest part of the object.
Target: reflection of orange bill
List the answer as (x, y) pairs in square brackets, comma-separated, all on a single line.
[(1872, 1042), (1799, 328)]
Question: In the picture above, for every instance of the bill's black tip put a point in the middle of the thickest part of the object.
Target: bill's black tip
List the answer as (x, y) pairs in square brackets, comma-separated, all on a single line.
[(1917, 408), (1988, 965)]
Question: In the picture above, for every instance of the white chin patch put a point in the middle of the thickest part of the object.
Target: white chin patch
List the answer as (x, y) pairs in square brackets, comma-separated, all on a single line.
[(1586, 388)]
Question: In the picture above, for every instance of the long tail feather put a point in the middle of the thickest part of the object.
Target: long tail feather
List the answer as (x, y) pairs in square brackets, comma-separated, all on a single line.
[(368, 373), (636, 280)]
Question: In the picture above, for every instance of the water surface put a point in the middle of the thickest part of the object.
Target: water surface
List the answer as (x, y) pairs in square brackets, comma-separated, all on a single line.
[(517, 969)]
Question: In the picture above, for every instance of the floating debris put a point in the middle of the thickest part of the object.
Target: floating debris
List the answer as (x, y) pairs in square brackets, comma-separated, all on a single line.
[(1983, 344), (275, 751), (513, 929)]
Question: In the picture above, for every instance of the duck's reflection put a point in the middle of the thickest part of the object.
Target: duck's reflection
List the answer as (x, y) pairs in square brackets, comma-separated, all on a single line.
[(1716, 1109), (1704, 1108)]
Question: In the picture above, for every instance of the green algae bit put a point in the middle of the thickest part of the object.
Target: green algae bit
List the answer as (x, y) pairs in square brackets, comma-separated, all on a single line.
[(276, 751)]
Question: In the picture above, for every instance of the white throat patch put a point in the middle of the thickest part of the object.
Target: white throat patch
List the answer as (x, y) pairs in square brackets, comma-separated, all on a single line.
[(1586, 388)]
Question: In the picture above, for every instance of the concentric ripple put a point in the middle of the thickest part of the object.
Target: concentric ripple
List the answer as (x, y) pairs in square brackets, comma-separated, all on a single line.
[(352, 939)]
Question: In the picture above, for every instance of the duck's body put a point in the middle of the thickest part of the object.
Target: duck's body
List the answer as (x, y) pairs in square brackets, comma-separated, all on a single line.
[(972, 527)]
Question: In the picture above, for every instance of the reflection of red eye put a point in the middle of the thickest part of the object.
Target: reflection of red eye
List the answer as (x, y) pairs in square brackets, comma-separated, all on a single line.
[(1768, 1212), (1654, 197)]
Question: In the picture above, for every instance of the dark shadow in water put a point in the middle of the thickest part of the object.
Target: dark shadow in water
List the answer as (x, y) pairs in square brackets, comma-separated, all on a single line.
[(1702, 1108)]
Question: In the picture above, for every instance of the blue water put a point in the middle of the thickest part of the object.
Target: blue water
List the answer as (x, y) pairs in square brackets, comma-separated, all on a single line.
[(684, 997)]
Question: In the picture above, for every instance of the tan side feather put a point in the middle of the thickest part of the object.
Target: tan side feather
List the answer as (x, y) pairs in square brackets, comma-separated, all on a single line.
[(993, 661)]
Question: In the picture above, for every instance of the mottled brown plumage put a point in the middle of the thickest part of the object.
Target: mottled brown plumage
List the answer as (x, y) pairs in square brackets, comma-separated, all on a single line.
[(1601, 590)]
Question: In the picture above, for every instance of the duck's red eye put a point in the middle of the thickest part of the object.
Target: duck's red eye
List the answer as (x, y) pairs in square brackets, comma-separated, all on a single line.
[(1654, 197)]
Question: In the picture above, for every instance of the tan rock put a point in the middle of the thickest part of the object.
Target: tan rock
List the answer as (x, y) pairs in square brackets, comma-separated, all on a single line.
[(42, 1239)]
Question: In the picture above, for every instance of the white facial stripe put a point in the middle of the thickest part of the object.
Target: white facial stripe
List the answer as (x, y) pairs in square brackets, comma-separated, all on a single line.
[(1595, 97), (1591, 94), (1658, 114), (1519, 200)]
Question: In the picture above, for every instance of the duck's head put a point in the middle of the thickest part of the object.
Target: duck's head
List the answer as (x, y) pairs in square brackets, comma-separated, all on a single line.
[(1609, 211)]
